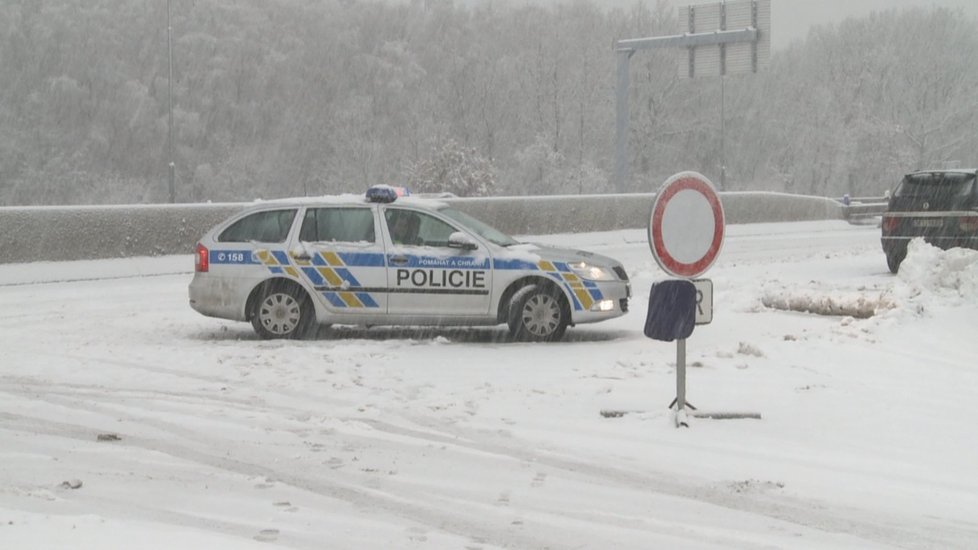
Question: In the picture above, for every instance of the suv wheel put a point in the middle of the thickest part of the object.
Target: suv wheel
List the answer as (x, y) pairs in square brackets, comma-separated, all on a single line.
[(283, 311), (536, 314), (894, 259)]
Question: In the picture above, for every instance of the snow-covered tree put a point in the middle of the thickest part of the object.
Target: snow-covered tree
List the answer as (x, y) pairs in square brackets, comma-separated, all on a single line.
[(454, 169), (283, 97)]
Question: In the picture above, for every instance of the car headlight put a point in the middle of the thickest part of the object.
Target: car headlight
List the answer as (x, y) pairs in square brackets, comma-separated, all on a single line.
[(592, 272)]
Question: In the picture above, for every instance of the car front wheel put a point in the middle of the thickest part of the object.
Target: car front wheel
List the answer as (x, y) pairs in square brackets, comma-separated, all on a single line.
[(536, 314), (283, 311)]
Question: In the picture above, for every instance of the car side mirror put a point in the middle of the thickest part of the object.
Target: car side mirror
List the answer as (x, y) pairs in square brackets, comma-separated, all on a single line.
[(462, 241)]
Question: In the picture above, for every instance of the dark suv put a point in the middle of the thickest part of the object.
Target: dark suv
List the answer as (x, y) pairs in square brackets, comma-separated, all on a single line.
[(939, 205)]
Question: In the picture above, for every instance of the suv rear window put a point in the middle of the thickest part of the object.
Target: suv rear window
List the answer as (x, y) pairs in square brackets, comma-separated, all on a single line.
[(271, 226), (936, 185)]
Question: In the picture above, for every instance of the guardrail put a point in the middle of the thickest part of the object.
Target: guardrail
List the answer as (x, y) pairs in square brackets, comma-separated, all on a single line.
[(860, 209), (32, 234)]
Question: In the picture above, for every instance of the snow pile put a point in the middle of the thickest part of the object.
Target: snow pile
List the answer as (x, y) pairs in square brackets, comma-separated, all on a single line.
[(931, 278), (949, 274)]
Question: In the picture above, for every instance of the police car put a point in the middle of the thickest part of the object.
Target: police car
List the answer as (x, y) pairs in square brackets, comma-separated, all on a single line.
[(388, 258)]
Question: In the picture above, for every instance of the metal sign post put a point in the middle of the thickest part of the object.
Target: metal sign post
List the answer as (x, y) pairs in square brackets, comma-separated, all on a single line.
[(170, 166), (681, 384)]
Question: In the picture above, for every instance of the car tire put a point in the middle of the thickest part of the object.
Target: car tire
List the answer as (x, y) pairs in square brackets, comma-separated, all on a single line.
[(538, 314), (283, 311), (894, 259)]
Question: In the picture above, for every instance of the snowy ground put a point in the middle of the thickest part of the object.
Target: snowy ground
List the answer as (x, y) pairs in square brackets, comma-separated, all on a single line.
[(388, 438)]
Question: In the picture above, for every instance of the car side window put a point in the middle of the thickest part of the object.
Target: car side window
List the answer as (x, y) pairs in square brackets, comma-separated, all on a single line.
[(408, 227), (270, 226), (350, 225)]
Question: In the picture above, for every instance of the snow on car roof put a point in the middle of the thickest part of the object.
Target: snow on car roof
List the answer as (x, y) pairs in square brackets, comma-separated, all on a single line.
[(345, 199), (947, 170)]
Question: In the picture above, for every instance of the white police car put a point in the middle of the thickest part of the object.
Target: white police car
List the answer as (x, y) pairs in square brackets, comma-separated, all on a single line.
[(387, 259)]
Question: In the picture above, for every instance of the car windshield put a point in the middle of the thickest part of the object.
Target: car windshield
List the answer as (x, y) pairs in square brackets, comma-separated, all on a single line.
[(936, 185), (478, 227)]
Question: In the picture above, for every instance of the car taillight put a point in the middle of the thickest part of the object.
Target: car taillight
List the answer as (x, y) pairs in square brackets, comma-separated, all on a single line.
[(969, 224), (202, 262), (890, 223)]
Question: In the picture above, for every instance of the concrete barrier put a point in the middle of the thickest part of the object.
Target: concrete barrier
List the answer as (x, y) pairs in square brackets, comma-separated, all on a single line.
[(31, 234), (95, 232), (576, 213)]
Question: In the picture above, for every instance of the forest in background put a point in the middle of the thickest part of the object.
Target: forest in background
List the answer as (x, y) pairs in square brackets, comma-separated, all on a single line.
[(275, 98)]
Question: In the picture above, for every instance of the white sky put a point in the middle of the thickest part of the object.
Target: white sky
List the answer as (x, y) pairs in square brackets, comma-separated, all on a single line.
[(791, 19)]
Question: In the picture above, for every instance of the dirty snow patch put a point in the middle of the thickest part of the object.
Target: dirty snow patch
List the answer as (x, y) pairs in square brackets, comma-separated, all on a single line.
[(928, 275)]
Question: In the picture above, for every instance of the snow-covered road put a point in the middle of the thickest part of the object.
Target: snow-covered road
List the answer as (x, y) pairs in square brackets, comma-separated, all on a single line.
[(448, 438)]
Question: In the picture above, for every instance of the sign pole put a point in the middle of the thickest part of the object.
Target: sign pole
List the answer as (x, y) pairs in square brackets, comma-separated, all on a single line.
[(169, 100), (621, 121), (681, 383), (681, 374)]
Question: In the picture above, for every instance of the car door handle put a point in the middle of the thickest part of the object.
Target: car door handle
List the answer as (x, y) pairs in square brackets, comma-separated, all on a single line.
[(399, 260), (301, 256)]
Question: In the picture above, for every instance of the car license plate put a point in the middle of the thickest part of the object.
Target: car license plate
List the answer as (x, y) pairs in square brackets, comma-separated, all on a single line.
[(928, 222)]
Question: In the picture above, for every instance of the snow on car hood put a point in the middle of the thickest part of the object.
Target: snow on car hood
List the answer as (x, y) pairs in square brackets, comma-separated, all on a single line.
[(535, 252)]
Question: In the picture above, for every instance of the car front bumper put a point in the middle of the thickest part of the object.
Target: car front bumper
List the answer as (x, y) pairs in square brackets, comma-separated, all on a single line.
[(612, 303)]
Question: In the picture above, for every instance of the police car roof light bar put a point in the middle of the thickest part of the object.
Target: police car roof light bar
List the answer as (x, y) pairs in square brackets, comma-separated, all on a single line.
[(386, 193)]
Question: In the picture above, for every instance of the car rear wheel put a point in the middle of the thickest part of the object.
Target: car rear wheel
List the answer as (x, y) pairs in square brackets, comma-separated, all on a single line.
[(536, 314), (283, 311)]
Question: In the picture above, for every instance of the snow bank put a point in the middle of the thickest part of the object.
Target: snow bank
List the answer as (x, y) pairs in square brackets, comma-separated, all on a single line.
[(951, 273), (929, 277)]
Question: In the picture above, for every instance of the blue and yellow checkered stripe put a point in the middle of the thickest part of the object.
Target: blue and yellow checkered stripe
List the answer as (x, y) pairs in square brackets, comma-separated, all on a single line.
[(277, 262), (583, 293), (329, 270)]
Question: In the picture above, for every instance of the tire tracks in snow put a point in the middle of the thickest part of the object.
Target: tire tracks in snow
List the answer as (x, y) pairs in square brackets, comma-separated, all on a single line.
[(882, 529), (440, 511), (185, 443), (375, 500), (137, 405)]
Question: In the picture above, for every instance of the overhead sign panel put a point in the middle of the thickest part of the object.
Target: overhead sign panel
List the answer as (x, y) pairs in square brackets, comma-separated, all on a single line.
[(727, 58), (703, 60), (747, 58)]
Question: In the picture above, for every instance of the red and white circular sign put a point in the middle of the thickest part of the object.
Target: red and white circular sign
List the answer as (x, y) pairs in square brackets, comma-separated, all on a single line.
[(686, 226)]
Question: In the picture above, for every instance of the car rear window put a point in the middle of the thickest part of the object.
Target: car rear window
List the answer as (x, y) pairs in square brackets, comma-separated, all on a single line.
[(936, 185), (270, 226)]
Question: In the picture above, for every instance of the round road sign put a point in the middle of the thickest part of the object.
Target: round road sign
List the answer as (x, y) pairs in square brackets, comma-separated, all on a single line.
[(686, 226)]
